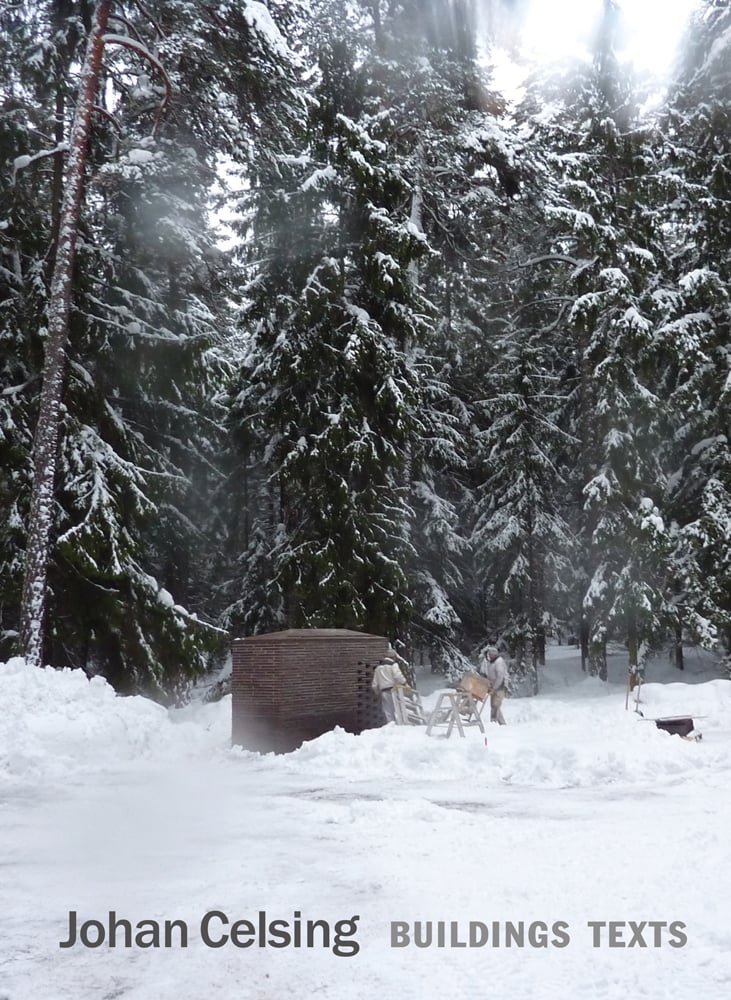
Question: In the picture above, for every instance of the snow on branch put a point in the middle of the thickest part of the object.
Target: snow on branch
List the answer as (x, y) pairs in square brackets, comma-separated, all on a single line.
[(21, 162), (131, 43), (14, 390), (550, 258)]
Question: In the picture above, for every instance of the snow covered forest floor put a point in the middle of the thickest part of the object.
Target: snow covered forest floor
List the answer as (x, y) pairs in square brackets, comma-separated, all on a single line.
[(576, 811)]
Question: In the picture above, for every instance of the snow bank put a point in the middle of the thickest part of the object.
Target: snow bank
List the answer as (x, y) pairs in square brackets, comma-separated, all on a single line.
[(152, 816), (59, 724), (583, 742)]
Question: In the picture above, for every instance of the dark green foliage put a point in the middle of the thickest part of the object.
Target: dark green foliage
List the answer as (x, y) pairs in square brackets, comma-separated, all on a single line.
[(335, 315), (461, 374), (136, 453)]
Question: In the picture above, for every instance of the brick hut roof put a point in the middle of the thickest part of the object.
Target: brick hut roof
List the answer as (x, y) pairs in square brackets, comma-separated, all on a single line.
[(312, 633)]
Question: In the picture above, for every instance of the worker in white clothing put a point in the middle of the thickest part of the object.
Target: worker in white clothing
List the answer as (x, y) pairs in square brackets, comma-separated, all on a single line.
[(386, 676), (495, 669)]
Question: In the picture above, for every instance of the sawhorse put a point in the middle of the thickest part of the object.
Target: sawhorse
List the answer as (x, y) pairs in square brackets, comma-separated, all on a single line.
[(455, 709)]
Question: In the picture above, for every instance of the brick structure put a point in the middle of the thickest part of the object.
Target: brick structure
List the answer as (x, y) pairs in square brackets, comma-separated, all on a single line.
[(295, 685)]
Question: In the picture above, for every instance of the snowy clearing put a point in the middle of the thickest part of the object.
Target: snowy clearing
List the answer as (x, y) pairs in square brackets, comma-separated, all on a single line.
[(576, 811)]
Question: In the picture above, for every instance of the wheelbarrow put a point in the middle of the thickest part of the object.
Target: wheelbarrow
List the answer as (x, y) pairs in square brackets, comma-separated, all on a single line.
[(678, 725)]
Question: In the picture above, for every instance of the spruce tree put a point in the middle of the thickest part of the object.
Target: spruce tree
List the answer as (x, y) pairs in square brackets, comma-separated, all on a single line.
[(327, 393), (695, 332), (607, 251)]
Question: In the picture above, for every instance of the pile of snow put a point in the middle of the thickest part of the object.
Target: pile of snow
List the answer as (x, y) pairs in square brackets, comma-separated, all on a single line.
[(576, 734), (578, 810), (59, 724), (548, 743)]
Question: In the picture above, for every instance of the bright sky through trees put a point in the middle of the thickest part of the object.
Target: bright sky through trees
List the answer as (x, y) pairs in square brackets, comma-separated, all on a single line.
[(542, 32), (562, 28)]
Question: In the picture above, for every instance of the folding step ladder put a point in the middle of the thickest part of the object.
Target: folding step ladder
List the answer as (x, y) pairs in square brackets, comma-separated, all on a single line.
[(408, 709)]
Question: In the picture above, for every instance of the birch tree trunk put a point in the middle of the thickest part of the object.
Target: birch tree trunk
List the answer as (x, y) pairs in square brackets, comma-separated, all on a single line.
[(46, 441)]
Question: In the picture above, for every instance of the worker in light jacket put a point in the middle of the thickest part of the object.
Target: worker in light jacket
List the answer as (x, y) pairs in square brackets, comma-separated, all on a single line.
[(386, 677), (495, 669)]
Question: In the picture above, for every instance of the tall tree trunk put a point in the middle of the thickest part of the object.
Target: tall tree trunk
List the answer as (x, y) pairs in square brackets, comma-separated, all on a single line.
[(377, 25), (535, 615), (679, 657), (598, 654), (57, 188), (45, 444), (632, 638), (416, 216), (633, 644), (584, 632), (541, 590), (586, 454)]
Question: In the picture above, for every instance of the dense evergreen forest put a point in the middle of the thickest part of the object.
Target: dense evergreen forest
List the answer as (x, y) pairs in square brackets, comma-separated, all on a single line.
[(460, 368)]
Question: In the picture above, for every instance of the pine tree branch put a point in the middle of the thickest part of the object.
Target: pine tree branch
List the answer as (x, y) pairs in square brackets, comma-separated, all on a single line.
[(142, 50), (15, 390), (148, 16), (21, 162), (548, 301), (110, 117), (550, 258), (128, 25), (12, 279), (214, 16)]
